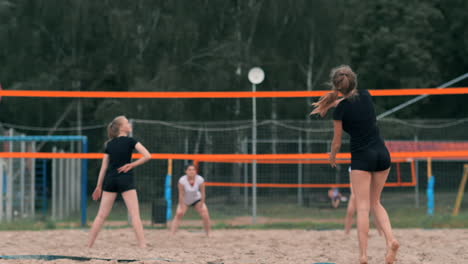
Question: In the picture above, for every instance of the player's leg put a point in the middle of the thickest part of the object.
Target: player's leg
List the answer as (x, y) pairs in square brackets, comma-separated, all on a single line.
[(181, 210), (350, 211), (131, 201), (377, 225), (377, 185), (361, 190), (107, 201), (202, 209)]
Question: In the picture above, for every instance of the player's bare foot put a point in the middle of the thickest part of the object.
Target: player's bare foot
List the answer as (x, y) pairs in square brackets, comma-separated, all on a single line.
[(363, 260), (142, 245), (392, 252), (347, 231)]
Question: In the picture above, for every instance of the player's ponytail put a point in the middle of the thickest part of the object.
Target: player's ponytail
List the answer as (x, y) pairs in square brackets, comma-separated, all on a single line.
[(343, 80), (113, 128), (325, 103)]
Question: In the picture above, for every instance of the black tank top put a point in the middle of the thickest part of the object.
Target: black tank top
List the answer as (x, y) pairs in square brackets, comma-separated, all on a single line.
[(120, 152), (359, 121)]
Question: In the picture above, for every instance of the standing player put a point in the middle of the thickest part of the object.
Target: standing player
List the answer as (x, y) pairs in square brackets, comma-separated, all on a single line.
[(116, 177), (370, 159), (192, 194)]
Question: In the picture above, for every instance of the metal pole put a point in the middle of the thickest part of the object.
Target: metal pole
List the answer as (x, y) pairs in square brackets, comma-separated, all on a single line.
[(22, 180), (79, 110), (33, 181), (2, 173), (186, 149), (72, 180), (254, 152), (299, 175), (418, 98), (246, 175), (84, 185), (54, 186), (44, 188), (78, 178), (76, 185), (67, 182), (60, 188), (416, 187), (9, 198)]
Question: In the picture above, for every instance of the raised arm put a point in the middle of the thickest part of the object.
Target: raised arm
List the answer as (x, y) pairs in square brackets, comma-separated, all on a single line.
[(336, 143), (146, 157)]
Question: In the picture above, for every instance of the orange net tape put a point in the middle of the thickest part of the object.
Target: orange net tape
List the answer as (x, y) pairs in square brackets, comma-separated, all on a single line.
[(461, 154), (238, 94), (311, 158), (314, 185)]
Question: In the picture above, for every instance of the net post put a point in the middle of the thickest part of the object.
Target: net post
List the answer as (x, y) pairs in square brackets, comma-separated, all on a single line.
[(461, 190), (168, 190), (430, 188), (254, 162)]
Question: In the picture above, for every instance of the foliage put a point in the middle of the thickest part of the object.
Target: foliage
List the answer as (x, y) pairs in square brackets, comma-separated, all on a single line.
[(210, 45)]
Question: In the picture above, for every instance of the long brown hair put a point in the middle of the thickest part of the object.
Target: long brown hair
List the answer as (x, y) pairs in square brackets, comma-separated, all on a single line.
[(113, 128), (342, 80)]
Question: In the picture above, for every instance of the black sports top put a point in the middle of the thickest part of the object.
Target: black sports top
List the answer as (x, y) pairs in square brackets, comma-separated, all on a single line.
[(359, 121), (120, 151)]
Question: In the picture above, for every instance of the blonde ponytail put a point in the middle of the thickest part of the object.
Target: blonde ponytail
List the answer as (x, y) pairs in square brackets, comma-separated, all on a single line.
[(342, 79), (325, 103), (113, 128)]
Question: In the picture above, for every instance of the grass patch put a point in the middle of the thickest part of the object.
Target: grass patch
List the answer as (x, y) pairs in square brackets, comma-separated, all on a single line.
[(27, 225), (279, 213)]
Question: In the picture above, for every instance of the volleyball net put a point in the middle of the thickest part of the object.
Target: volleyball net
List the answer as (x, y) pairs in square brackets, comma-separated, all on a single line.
[(292, 176)]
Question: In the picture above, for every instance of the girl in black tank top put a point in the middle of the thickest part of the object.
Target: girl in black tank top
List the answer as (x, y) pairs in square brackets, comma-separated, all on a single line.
[(368, 149), (116, 176), (370, 160)]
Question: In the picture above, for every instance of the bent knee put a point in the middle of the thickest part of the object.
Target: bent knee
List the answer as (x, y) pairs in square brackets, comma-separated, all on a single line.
[(180, 214), (203, 211)]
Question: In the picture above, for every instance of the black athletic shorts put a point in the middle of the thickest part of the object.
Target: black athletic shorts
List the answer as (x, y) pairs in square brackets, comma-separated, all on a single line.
[(118, 183), (375, 158), (194, 203)]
